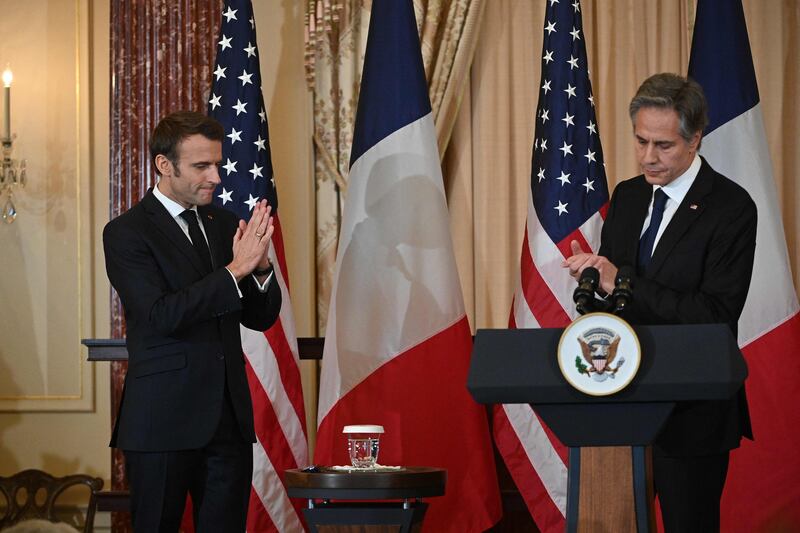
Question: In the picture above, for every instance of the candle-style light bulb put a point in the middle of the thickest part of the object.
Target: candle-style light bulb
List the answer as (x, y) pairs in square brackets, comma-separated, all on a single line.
[(7, 77)]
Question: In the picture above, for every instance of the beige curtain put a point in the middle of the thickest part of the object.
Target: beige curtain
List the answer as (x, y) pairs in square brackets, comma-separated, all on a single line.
[(487, 163), (448, 33), (339, 56)]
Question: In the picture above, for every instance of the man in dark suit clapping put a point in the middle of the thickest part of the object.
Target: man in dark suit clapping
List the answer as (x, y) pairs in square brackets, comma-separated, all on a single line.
[(690, 234), (188, 274)]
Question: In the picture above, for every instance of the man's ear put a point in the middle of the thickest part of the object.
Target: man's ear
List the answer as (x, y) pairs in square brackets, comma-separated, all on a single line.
[(164, 166), (695, 141)]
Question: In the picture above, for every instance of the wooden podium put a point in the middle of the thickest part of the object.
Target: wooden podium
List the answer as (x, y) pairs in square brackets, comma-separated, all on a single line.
[(609, 485)]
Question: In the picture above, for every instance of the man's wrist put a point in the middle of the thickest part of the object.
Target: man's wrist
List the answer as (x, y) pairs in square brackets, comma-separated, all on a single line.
[(236, 273)]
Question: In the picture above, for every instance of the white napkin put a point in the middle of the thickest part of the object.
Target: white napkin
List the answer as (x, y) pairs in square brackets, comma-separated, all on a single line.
[(376, 468)]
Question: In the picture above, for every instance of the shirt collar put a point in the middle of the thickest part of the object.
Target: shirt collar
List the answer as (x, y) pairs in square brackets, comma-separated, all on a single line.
[(677, 188), (174, 208)]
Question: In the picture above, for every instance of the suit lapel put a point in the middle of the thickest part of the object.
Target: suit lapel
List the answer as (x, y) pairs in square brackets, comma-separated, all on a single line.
[(635, 215), (164, 223), (687, 213), (215, 240)]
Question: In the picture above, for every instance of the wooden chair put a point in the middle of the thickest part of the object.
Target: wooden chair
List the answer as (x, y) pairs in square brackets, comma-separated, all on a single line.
[(32, 494)]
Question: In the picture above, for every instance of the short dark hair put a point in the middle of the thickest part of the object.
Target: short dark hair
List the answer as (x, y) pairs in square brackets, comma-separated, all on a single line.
[(670, 91), (175, 127)]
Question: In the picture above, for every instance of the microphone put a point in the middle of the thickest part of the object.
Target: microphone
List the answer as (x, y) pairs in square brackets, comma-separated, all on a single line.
[(623, 288), (584, 292)]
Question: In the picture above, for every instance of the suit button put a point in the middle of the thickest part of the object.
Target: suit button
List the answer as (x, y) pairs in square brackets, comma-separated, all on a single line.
[(221, 357)]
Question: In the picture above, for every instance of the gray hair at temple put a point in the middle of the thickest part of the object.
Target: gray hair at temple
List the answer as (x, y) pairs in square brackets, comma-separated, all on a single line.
[(670, 91)]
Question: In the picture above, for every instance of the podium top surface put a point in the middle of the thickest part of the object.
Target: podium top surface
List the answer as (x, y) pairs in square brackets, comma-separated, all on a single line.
[(679, 363)]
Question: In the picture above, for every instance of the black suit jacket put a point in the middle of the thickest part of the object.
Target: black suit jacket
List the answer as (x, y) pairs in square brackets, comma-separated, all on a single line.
[(183, 334), (699, 273)]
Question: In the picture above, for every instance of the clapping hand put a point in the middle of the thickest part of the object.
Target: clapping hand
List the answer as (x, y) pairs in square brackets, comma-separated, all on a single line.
[(251, 242)]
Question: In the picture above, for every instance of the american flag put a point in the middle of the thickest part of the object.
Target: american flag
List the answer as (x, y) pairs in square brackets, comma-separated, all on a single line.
[(273, 363), (568, 201)]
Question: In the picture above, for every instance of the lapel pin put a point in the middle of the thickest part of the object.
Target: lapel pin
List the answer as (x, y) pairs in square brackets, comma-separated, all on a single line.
[(693, 206)]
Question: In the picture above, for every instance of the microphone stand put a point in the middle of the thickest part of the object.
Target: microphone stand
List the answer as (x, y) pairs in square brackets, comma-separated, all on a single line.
[(623, 290), (584, 293)]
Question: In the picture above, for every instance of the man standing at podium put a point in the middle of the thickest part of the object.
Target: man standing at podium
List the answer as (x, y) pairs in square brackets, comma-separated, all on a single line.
[(188, 274), (689, 233)]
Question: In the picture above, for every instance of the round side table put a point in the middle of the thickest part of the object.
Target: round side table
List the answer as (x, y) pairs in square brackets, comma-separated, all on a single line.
[(351, 497)]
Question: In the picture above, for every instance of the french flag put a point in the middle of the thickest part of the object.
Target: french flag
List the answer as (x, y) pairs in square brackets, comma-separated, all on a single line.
[(762, 492), (398, 342)]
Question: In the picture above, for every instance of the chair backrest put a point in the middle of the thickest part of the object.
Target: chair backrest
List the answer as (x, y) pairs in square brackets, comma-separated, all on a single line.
[(32, 494)]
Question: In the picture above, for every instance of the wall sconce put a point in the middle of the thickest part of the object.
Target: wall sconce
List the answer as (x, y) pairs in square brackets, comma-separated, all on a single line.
[(12, 171)]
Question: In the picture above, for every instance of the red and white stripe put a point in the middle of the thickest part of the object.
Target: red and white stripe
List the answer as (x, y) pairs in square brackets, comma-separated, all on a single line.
[(535, 458), (273, 372)]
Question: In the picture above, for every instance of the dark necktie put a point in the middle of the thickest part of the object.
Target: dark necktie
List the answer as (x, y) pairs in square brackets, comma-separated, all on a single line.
[(198, 239), (648, 238)]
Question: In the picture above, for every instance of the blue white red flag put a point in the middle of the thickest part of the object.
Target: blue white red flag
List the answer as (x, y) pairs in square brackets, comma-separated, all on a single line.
[(398, 343), (762, 492), (273, 363), (568, 201)]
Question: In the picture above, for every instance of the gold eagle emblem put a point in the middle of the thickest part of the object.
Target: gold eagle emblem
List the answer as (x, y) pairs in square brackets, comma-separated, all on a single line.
[(599, 350)]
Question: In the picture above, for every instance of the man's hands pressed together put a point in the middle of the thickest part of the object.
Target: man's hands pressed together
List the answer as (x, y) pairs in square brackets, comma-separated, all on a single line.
[(581, 260), (251, 242)]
